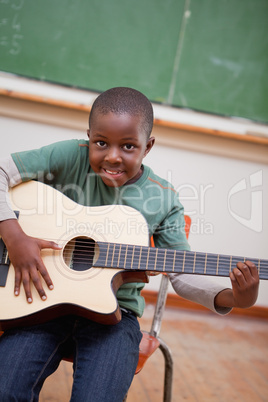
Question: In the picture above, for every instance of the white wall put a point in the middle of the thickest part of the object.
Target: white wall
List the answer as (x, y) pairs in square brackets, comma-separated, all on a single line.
[(204, 182)]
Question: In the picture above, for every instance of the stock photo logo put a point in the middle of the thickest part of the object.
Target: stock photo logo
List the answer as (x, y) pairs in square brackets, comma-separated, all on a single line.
[(252, 192)]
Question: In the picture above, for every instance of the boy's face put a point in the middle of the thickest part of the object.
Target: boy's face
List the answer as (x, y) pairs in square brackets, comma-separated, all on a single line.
[(117, 146)]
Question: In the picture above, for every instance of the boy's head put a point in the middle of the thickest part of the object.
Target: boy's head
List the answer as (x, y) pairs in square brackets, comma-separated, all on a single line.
[(122, 100), (120, 125)]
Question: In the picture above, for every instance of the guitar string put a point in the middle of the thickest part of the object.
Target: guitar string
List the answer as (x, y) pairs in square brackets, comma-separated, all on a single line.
[(193, 254), (191, 258), (145, 249), (161, 257), (188, 265), (163, 251), (209, 259), (224, 260)]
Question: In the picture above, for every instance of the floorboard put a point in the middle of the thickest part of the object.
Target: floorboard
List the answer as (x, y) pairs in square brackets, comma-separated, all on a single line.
[(215, 359)]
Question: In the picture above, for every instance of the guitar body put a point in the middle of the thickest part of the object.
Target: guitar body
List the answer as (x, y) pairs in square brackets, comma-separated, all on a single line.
[(46, 213)]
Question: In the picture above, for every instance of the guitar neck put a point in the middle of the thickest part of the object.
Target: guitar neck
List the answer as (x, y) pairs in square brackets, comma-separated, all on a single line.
[(132, 257)]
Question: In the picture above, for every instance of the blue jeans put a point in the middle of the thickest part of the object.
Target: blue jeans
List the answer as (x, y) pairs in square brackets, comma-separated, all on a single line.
[(105, 358)]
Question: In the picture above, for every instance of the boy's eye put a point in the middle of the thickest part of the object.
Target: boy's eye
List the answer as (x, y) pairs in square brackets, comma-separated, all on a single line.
[(101, 143), (128, 147)]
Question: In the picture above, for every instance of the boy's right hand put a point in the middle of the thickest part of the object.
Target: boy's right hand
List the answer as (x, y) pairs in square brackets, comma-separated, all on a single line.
[(25, 255)]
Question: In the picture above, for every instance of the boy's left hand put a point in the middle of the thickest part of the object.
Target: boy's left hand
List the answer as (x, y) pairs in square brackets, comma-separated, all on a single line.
[(245, 284), (245, 287)]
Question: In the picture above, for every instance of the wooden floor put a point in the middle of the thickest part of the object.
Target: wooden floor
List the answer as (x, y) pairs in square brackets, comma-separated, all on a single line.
[(215, 359)]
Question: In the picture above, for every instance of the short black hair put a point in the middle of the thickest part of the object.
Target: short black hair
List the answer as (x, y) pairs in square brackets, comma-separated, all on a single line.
[(122, 100)]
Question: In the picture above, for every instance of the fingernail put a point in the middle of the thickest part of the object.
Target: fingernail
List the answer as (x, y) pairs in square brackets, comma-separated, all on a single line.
[(44, 297), (29, 300), (51, 287), (16, 292)]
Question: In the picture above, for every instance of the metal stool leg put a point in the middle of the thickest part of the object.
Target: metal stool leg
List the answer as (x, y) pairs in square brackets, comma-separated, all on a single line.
[(168, 371)]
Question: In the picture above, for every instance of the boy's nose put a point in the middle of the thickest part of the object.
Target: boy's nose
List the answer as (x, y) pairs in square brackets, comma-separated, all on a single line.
[(113, 156)]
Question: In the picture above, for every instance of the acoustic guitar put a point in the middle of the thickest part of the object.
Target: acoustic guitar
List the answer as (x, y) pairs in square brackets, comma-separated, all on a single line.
[(102, 248)]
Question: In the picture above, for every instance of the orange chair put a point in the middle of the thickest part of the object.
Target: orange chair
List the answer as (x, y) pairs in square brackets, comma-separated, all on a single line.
[(151, 340)]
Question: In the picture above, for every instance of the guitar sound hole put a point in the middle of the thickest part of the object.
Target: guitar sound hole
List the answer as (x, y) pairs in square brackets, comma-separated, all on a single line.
[(79, 253)]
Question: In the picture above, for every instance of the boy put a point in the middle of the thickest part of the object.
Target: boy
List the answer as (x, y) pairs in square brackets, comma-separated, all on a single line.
[(105, 170)]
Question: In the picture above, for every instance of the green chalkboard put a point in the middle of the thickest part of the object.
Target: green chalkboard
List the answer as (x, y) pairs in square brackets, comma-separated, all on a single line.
[(209, 55)]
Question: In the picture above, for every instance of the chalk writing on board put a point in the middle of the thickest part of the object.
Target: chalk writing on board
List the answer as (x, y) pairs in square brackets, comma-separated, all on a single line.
[(11, 28)]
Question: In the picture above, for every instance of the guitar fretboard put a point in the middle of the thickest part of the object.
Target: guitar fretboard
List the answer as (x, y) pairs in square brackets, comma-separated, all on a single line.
[(131, 257)]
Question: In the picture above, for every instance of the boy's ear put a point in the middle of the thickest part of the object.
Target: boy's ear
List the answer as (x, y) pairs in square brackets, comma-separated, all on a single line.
[(149, 146), (88, 133)]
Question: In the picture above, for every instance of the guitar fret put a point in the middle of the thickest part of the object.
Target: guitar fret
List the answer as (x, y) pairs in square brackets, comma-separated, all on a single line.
[(156, 254), (230, 268), (139, 265), (200, 263), (174, 258), (112, 262), (259, 266), (110, 256), (211, 264), (168, 258), (217, 268), (143, 258), (130, 257), (107, 253), (165, 255), (135, 257), (119, 254), (184, 254), (194, 262), (125, 256), (148, 253), (153, 259), (133, 251), (177, 260)]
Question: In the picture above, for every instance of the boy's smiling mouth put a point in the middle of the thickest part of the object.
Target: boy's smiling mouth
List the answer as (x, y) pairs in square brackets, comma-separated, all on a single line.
[(112, 177), (113, 172)]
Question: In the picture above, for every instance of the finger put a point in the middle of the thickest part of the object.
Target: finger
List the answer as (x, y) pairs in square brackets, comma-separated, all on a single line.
[(49, 244), (239, 275), (27, 286), (235, 283), (17, 283), (36, 279), (253, 269), (244, 269), (44, 272), (249, 271)]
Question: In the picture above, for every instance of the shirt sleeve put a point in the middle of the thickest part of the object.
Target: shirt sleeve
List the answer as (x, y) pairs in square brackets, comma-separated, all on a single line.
[(9, 177), (198, 289)]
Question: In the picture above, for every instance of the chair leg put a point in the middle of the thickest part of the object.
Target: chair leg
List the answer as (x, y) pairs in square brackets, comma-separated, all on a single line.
[(168, 377), (168, 371)]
